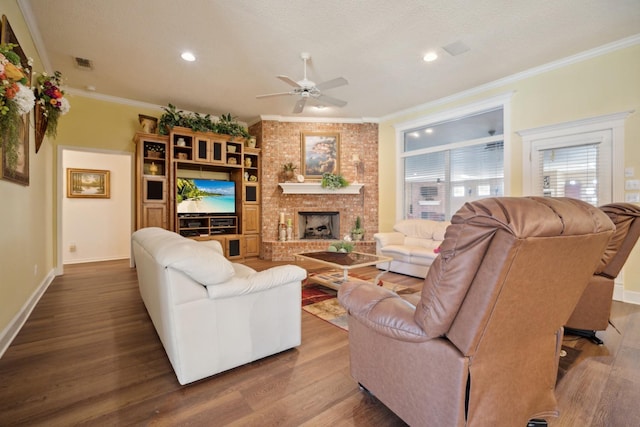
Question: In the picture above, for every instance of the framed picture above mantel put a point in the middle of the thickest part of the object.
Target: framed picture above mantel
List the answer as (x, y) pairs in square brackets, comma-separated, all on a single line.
[(320, 154)]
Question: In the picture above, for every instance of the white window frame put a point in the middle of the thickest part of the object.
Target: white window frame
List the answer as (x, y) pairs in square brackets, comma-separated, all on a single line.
[(499, 101), (553, 136)]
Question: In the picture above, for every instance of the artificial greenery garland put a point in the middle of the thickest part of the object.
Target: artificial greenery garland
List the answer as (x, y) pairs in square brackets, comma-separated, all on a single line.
[(333, 181), (226, 124)]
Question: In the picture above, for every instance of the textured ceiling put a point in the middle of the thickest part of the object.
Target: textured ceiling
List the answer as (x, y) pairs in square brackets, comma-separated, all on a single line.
[(377, 45)]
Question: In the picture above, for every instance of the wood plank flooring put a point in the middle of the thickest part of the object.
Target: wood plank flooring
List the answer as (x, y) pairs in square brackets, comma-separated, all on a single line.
[(89, 355)]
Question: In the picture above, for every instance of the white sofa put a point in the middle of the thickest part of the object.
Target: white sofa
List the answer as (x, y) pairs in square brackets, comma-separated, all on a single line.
[(413, 245), (210, 314)]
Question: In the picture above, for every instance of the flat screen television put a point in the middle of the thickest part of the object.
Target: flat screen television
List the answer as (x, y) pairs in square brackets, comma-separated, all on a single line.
[(205, 196)]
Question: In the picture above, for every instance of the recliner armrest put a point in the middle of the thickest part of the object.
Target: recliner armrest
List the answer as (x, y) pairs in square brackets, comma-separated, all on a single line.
[(381, 310)]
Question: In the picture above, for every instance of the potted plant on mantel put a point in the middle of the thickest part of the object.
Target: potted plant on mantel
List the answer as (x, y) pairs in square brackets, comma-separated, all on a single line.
[(358, 232), (289, 171)]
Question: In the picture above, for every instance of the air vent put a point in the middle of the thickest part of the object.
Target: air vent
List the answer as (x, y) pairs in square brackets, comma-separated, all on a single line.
[(84, 64), (456, 48)]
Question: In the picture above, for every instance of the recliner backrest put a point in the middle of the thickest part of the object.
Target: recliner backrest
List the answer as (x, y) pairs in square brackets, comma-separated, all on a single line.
[(626, 218), (501, 257)]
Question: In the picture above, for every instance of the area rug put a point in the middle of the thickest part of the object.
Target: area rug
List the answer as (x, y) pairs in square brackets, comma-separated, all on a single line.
[(323, 303)]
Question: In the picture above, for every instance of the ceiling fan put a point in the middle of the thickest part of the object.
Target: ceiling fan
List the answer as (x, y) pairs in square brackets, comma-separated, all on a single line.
[(306, 89)]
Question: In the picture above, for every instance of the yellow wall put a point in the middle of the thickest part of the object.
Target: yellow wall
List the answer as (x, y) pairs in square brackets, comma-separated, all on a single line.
[(97, 124), (603, 85), (25, 212), (28, 214)]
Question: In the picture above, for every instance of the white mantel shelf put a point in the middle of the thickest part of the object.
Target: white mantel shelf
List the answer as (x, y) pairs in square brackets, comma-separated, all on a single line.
[(316, 188)]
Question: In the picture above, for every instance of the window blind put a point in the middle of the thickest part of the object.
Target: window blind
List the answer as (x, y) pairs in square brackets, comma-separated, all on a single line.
[(572, 171)]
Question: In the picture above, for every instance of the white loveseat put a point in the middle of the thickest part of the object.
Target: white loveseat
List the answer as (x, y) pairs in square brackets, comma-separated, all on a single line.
[(210, 314), (413, 245)]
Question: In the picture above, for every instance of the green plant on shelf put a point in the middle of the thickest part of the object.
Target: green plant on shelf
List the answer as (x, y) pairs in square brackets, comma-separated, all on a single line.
[(226, 123), (155, 150)]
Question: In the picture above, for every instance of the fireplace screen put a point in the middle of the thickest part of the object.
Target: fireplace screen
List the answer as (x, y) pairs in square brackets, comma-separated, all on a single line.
[(319, 225)]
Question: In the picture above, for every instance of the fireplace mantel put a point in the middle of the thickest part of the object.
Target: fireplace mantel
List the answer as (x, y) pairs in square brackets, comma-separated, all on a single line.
[(316, 188)]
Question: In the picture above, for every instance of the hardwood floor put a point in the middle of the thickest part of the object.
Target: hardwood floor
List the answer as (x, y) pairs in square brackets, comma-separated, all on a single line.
[(89, 355)]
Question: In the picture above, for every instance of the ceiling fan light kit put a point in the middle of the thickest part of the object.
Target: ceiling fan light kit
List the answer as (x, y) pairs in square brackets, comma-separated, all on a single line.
[(306, 89)]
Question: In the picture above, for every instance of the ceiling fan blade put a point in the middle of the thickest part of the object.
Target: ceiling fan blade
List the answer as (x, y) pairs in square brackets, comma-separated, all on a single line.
[(330, 84), (289, 81), (299, 106), (274, 94), (332, 101)]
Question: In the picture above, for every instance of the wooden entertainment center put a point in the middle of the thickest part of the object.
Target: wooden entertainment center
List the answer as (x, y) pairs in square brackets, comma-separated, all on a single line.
[(162, 159)]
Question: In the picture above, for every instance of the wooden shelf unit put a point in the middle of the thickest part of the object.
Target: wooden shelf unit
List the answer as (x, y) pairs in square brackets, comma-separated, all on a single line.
[(207, 225), (206, 152)]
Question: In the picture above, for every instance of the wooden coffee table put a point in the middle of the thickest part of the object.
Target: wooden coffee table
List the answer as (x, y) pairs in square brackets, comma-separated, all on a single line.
[(342, 261)]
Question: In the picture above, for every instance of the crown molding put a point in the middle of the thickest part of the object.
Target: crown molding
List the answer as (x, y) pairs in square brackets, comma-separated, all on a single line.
[(591, 53), (114, 99), (30, 20)]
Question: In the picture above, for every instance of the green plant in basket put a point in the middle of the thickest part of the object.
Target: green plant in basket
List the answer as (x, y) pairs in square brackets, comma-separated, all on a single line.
[(340, 247)]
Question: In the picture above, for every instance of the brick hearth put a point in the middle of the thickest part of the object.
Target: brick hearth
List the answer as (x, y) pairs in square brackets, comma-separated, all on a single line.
[(285, 251)]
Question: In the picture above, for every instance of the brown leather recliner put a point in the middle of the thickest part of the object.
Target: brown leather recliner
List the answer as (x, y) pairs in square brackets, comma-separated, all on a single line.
[(594, 307), (481, 345)]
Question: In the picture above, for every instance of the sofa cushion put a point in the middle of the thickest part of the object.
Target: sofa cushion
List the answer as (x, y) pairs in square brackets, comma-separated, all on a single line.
[(200, 262), (422, 256), (410, 254), (422, 228), (397, 252), (439, 230), (421, 243)]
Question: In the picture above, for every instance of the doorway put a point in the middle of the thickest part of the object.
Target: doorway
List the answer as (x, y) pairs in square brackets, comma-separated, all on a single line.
[(94, 229)]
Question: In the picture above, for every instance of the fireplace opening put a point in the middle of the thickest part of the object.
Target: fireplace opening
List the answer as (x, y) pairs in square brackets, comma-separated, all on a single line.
[(319, 225)]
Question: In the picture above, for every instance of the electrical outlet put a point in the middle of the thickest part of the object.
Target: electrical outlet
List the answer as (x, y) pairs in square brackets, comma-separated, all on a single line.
[(35, 270), (72, 247)]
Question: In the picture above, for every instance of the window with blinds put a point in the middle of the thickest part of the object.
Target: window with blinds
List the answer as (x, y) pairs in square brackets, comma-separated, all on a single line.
[(570, 172), (578, 166), (446, 165)]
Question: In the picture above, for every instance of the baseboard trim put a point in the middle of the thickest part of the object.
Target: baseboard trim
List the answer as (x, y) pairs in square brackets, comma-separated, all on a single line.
[(11, 331), (620, 294)]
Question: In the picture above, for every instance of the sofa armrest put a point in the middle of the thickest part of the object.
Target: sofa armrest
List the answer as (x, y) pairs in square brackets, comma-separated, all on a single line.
[(388, 238), (257, 282), (381, 310), (213, 244)]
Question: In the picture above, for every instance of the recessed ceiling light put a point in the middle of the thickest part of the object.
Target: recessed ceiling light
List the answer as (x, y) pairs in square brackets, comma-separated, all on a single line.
[(431, 56), (428, 130), (188, 56)]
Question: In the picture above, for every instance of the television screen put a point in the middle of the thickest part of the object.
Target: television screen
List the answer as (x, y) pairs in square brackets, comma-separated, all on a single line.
[(205, 196)]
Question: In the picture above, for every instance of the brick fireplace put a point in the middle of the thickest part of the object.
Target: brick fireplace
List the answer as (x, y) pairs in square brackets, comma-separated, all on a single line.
[(323, 225), (280, 143)]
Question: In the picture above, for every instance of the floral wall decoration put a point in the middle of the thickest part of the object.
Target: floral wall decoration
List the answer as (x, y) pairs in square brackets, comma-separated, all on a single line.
[(50, 105), (16, 101)]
